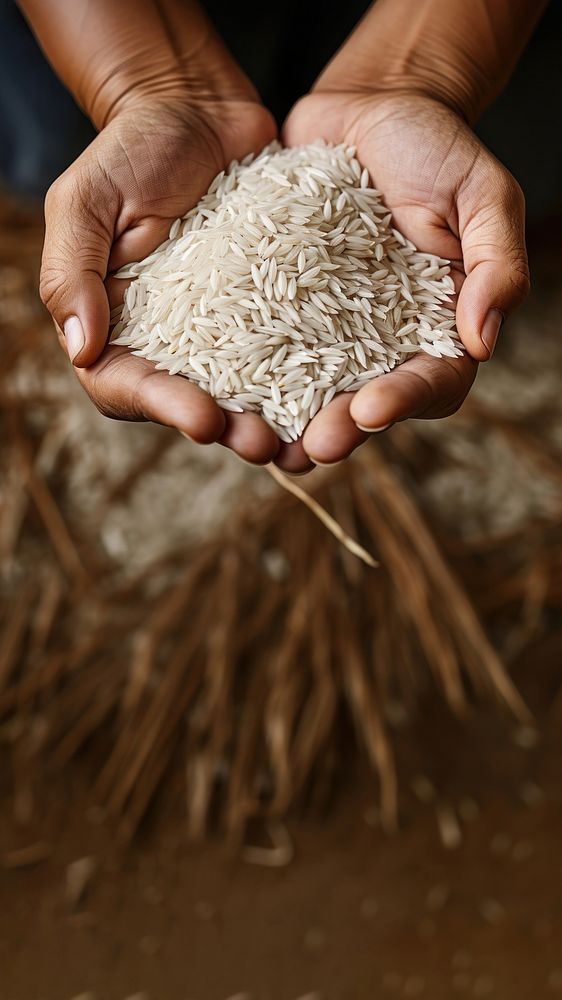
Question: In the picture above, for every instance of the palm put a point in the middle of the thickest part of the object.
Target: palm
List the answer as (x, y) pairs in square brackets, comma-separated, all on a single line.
[(417, 154), (161, 164), (142, 172)]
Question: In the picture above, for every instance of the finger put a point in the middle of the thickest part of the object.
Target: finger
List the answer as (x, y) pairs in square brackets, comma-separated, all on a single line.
[(138, 241), (292, 459), (422, 387), (79, 217), (250, 437), (245, 433), (332, 435), (129, 388), (491, 211), (137, 238), (115, 290)]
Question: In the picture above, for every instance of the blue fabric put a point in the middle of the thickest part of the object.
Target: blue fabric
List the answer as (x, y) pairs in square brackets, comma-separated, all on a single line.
[(41, 128)]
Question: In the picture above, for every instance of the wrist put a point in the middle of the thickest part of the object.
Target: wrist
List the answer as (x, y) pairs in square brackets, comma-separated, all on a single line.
[(460, 54), (406, 73), (140, 91), (206, 77), (112, 56)]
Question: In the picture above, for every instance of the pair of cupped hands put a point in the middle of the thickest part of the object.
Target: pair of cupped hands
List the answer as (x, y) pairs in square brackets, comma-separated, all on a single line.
[(156, 157)]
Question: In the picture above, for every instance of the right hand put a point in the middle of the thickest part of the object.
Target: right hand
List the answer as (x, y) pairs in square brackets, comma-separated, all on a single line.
[(114, 205), (452, 198)]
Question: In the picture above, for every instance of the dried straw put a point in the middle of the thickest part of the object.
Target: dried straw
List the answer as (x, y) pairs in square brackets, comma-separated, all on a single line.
[(331, 524), (246, 665)]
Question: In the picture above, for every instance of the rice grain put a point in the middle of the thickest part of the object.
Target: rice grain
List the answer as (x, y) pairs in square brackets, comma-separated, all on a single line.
[(287, 254)]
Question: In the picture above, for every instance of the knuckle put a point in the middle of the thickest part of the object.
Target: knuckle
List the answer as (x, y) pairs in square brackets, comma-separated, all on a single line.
[(104, 400), (75, 243), (519, 277), (112, 393), (138, 400), (101, 386), (448, 383), (451, 406), (50, 286), (58, 202), (104, 407), (98, 393)]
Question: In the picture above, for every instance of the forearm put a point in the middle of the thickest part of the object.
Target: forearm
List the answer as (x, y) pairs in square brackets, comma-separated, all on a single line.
[(109, 52), (459, 51)]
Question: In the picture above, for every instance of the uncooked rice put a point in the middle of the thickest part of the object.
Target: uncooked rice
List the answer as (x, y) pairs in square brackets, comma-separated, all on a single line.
[(285, 285)]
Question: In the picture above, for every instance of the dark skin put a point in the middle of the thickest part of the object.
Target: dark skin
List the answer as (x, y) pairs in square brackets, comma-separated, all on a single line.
[(124, 167), (449, 196), (174, 109)]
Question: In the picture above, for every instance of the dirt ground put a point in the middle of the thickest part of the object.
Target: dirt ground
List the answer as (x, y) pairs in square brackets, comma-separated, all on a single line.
[(357, 915), (464, 900)]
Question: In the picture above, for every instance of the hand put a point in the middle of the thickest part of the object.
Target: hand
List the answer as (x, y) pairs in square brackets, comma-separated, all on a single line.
[(451, 197), (114, 205)]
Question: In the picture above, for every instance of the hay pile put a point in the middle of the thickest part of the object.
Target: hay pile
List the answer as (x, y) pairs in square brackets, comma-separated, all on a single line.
[(240, 661)]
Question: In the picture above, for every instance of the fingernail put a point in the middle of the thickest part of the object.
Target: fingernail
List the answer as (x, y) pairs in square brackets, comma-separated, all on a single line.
[(328, 465), (490, 329), (74, 337), (373, 430)]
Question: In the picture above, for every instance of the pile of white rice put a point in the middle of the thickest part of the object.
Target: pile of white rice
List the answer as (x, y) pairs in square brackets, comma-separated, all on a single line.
[(285, 285)]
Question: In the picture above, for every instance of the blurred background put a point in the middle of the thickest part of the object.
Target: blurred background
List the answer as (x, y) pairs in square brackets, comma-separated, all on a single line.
[(234, 761)]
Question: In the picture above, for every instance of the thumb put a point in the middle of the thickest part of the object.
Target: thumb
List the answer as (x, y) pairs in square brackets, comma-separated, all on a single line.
[(491, 212), (78, 235)]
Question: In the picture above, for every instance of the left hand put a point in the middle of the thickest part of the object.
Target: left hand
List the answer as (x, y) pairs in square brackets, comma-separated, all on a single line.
[(114, 205), (451, 197)]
